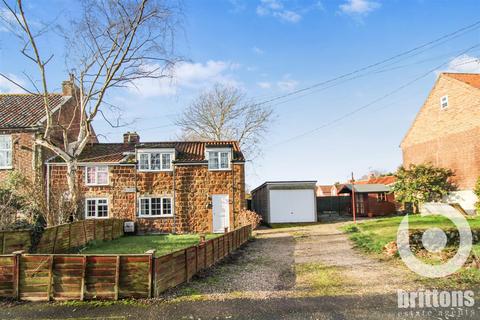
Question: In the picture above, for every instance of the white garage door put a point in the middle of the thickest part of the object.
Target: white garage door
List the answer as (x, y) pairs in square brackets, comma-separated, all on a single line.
[(292, 206)]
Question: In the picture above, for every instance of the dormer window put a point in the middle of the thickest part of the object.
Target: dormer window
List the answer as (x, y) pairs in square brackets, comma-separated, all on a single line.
[(5, 152), (153, 160), (444, 102), (219, 159)]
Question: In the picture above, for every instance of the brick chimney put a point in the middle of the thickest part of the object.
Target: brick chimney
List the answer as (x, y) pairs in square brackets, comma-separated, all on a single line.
[(68, 86), (131, 137)]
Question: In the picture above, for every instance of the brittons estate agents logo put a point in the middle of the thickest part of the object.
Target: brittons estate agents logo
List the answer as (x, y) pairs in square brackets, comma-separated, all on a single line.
[(434, 240)]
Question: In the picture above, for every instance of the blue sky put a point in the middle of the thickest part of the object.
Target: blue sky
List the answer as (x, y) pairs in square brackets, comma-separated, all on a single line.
[(273, 47)]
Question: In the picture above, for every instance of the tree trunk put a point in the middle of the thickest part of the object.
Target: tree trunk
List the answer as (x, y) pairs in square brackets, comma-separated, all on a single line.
[(72, 180)]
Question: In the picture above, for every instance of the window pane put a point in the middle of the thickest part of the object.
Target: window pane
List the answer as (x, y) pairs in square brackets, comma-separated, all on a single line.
[(91, 175), (144, 206), (224, 160), (102, 208), (167, 206), (102, 175), (5, 151), (166, 161), (91, 207), (213, 162), (156, 206), (143, 161), (155, 161), (5, 142)]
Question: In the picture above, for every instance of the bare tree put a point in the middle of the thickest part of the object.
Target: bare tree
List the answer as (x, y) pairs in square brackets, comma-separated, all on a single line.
[(110, 44), (224, 113)]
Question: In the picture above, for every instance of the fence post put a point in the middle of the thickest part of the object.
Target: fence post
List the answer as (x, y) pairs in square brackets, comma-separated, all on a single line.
[(3, 243), (151, 272), (50, 278), (117, 277), (186, 266), (82, 288), (16, 271)]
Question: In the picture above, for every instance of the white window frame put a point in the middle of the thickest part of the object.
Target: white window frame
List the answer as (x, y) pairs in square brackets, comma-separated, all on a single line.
[(96, 183), (162, 153), (219, 151), (10, 150), (149, 215), (444, 101), (96, 208)]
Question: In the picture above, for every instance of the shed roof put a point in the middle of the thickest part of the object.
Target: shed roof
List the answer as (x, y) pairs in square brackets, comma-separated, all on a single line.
[(364, 188)]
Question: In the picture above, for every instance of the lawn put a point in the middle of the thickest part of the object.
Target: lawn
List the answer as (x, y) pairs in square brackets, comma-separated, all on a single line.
[(371, 236), (163, 244)]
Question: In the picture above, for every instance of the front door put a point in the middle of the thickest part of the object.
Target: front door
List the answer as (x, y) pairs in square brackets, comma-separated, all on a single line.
[(221, 212)]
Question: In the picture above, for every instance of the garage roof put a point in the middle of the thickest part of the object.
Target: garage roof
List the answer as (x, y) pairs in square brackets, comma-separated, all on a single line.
[(286, 183)]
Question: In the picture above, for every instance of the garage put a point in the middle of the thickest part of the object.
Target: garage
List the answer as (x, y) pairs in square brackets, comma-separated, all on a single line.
[(285, 201)]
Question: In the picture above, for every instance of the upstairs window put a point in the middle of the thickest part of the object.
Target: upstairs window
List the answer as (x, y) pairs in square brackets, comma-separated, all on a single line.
[(444, 102), (155, 207), (219, 160), (96, 208), (96, 176), (155, 161), (5, 152)]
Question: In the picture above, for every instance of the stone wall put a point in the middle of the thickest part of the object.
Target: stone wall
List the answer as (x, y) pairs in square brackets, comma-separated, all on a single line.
[(194, 186)]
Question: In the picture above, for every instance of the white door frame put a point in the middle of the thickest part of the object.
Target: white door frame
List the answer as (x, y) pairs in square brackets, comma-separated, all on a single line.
[(220, 202)]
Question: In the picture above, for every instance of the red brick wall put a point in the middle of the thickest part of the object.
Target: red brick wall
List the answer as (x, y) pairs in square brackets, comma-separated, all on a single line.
[(448, 138), (194, 186)]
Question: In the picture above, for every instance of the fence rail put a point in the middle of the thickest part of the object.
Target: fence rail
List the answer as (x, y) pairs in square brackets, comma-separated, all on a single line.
[(63, 238), (45, 277)]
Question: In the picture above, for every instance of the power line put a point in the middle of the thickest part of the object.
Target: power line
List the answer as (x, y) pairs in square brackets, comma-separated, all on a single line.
[(448, 36), (365, 106)]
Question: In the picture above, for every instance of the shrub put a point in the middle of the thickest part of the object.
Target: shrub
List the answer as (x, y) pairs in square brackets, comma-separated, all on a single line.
[(477, 193), (247, 217)]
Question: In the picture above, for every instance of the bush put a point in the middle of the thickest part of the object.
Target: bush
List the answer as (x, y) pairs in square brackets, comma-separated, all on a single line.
[(477, 193), (247, 217)]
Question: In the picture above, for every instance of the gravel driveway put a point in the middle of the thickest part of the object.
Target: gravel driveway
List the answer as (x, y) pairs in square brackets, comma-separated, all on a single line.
[(307, 272)]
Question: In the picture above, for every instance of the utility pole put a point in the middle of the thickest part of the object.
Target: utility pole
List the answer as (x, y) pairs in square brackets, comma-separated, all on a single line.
[(354, 207)]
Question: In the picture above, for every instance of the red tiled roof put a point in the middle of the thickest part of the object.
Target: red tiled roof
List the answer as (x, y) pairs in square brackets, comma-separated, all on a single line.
[(386, 180), (472, 79), (25, 110), (187, 151)]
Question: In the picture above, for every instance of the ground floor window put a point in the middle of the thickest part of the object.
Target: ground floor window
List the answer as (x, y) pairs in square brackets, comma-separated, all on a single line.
[(155, 207), (96, 208), (382, 197)]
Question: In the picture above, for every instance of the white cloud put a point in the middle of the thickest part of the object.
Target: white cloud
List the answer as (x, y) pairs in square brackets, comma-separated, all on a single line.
[(258, 51), (264, 84), (6, 86), (276, 8), (464, 63), (238, 5), (188, 75), (287, 85), (359, 7)]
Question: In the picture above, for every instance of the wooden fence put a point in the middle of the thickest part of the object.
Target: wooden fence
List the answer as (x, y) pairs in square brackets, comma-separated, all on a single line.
[(43, 277), (11, 241)]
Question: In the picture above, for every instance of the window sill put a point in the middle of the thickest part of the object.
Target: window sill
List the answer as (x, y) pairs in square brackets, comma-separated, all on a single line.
[(96, 218), (96, 185), (229, 169), (156, 217), (6, 168), (155, 171)]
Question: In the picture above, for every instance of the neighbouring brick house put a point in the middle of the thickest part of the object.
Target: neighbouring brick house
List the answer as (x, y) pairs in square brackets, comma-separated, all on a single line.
[(22, 118), (162, 186), (446, 133)]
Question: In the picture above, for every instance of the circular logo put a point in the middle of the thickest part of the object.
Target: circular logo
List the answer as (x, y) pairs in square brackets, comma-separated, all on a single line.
[(434, 240)]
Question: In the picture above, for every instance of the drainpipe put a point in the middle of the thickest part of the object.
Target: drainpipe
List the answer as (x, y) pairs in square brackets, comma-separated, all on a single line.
[(47, 162), (174, 201)]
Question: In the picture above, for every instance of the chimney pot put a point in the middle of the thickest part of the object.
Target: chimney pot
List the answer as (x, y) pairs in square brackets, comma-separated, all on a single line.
[(131, 137)]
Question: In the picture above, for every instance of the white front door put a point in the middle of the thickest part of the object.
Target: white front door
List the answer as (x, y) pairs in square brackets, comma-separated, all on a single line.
[(221, 212)]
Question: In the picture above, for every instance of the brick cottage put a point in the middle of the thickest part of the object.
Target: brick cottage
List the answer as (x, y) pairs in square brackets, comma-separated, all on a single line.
[(162, 186), (22, 119), (446, 133)]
